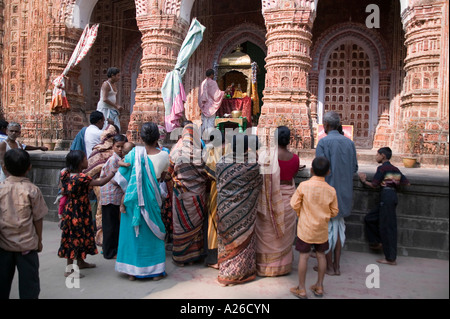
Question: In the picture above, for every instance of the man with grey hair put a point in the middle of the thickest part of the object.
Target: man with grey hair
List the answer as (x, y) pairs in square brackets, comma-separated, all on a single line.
[(13, 131), (341, 153)]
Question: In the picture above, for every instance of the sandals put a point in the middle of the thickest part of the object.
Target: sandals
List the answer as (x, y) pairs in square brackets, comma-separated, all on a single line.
[(299, 293), (317, 291)]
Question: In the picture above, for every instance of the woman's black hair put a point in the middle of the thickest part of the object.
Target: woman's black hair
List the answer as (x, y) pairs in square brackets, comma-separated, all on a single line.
[(74, 159), (149, 133), (119, 138), (112, 71), (284, 135)]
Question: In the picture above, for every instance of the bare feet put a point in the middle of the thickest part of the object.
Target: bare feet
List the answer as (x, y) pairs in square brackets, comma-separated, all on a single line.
[(387, 262), (329, 271), (215, 266), (83, 265), (157, 278)]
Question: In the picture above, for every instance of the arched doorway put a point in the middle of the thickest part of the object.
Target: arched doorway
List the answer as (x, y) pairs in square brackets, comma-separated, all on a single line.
[(348, 60), (348, 88)]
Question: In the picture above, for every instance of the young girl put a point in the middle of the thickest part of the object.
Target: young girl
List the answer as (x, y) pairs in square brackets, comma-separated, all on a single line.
[(78, 237)]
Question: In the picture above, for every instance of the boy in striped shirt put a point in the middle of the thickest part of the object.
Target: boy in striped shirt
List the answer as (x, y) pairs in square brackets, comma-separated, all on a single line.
[(381, 222)]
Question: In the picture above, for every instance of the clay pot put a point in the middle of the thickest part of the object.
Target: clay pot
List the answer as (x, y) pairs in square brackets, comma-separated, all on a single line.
[(409, 162)]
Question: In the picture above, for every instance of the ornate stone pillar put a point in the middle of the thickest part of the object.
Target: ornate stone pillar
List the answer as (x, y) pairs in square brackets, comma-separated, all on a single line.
[(426, 81), (286, 95), (61, 44), (384, 129), (162, 36)]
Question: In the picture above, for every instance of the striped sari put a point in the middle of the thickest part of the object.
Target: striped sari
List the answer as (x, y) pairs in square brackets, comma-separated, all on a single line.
[(189, 198), (238, 187), (214, 155)]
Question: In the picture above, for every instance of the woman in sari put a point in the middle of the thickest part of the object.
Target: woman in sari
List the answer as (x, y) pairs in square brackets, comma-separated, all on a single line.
[(238, 187), (214, 153), (99, 156), (189, 197), (141, 252), (276, 220)]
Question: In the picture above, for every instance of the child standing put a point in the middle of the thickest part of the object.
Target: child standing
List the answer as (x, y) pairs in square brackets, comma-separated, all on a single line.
[(381, 222), (111, 197), (22, 208), (315, 203), (78, 236)]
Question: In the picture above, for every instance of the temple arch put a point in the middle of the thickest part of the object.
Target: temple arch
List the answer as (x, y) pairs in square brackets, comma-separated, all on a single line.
[(345, 36), (82, 12)]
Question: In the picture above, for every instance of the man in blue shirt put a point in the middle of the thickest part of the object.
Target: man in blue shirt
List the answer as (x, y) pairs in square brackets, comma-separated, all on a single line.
[(341, 153)]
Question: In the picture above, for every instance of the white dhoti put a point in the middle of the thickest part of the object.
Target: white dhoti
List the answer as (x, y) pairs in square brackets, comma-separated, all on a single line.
[(111, 114), (336, 227)]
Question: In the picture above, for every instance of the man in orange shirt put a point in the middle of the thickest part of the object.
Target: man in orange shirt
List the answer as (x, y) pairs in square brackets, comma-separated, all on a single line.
[(315, 203)]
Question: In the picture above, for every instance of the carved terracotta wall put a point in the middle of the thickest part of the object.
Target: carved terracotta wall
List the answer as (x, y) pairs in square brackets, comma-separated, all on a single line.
[(38, 41), (162, 36), (425, 91), (286, 95)]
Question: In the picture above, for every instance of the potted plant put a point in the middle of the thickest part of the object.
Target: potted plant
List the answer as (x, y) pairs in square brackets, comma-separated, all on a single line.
[(414, 133)]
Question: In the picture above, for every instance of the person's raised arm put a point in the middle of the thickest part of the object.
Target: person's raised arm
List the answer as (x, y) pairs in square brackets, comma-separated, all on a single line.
[(103, 180), (34, 148)]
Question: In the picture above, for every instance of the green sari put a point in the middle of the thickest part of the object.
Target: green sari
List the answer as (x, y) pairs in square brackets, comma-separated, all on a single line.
[(141, 251)]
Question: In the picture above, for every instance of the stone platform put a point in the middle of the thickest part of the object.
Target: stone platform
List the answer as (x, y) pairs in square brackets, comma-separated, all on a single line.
[(423, 209)]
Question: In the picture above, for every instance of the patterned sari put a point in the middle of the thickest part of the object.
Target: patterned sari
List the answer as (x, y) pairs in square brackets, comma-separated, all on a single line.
[(189, 197), (141, 251), (276, 221), (238, 187), (213, 156)]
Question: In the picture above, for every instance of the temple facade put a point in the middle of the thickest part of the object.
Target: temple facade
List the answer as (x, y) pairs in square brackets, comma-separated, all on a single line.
[(382, 65)]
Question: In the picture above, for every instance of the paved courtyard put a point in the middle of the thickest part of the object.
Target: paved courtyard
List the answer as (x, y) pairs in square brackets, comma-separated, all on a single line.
[(412, 278)]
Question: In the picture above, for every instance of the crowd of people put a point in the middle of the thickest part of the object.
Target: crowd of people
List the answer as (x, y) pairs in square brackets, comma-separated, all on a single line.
[(207, 203)]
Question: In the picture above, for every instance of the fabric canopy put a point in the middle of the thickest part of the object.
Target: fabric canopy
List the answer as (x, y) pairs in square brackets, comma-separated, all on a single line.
[(59, 100), (172, 90)]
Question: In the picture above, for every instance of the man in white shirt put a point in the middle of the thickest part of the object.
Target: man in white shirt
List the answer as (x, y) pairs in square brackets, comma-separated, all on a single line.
[(94, 131)]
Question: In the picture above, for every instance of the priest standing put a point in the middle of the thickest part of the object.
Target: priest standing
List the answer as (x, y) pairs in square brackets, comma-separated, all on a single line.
[(209, 100)]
